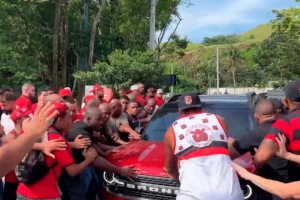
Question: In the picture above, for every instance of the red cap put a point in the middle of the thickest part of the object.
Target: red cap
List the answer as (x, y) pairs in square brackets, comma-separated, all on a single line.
[(61, 108), (64, 92), (88, 98), (96, 88), (19, 113)]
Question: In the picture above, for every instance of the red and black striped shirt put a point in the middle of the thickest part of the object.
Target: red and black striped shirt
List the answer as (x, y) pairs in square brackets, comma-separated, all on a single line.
[(289, 125)]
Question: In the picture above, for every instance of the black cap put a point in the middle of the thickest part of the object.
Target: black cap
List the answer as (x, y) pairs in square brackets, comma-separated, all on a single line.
[(189, 100), (292, 91), (278, 104)]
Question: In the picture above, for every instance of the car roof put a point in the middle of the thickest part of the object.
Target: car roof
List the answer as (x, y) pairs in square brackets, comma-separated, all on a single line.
[(221, 101)]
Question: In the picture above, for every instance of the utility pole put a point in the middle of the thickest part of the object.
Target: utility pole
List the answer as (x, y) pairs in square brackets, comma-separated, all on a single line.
[(218, 81), (172, 72), (152, 24)]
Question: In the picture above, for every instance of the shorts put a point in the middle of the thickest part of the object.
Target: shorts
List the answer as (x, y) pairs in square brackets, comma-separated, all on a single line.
[(10, 191)]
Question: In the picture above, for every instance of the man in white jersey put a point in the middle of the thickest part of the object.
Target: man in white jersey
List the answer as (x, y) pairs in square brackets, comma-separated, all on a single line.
[(197, 154)]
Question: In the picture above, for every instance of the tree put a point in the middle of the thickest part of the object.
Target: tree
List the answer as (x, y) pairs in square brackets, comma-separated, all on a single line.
[(123, 69), (233, 60)]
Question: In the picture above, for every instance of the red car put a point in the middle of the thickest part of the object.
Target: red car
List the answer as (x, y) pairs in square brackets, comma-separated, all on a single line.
[(148, 155)]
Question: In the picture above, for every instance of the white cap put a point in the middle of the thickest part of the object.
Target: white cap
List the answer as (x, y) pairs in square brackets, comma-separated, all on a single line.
[(160, 91), (134, 87)]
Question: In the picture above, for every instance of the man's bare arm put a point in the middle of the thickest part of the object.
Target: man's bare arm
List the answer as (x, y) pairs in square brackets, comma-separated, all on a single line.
[(14, 151), (171, 160), (233, 153), (267, 149)]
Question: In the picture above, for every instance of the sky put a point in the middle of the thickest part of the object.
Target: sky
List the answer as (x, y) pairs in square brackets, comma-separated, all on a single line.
[(207, 18)]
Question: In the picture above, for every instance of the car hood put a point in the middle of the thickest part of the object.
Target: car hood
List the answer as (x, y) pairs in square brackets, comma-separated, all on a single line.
[(148, 157)]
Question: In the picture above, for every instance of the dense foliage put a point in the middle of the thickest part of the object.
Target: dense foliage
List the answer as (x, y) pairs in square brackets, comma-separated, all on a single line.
[(58, 42), (221, 39)]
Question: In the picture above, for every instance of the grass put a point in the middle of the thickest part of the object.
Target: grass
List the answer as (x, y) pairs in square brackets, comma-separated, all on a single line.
[(254, 35), (257, 34)]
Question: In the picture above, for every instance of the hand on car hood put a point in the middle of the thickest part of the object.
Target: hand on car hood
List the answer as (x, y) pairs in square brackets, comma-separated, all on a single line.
[(148, 157)]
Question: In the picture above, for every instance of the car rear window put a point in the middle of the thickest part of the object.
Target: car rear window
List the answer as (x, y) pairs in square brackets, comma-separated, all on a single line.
[(239, 121)]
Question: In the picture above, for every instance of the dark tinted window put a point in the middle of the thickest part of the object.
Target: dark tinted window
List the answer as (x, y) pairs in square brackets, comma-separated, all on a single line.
[(239, 121)]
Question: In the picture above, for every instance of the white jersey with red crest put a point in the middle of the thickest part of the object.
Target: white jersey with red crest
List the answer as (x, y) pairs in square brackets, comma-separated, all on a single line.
[(204, 163)]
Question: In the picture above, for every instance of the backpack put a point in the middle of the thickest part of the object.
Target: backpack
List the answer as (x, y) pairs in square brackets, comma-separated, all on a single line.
[(33, 167)]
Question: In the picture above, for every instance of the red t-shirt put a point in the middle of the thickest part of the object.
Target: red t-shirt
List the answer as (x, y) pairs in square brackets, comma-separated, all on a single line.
[(23, 102), (140, 99), (78, 117), (159, 101), (33, 107), (80, 114), (47, 188), (11, 176)]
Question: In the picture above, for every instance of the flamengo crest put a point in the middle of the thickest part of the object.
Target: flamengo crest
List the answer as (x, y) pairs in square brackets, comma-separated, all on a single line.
[(188, 100), (199, 135)]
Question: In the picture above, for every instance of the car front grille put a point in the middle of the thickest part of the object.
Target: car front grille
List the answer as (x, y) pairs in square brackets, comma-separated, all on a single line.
[(149, 195), (143, 187), (157, 181)]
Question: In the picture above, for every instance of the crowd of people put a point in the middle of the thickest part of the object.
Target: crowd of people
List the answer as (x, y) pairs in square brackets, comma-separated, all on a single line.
[(54, 149), (199, 144)]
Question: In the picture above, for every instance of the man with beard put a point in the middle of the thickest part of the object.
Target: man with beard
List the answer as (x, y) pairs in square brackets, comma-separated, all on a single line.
[(92, 122), (98, 92), (24, 101), (8, 106), (119, 121)]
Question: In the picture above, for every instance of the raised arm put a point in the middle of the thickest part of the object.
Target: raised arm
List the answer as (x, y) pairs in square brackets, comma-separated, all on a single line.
[(13, 152), (282, 190)]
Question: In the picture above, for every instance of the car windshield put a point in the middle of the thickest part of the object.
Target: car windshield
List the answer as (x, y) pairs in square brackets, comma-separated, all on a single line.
[(239, 121)]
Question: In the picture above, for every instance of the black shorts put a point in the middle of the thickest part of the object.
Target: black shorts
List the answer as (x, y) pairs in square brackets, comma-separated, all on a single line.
[(10, 190)]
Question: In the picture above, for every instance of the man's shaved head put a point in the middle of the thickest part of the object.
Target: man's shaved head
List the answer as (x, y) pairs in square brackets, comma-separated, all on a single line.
[(132, 96), (151, 101), (104, 107), (93, 103), (93, 119), (28, 90), (53, 98), (26, 87), (116, 107), (265, 107), (114, 102), (92, 112)]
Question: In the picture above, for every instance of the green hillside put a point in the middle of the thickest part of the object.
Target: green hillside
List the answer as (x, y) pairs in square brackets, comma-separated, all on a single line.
[(257, 34)]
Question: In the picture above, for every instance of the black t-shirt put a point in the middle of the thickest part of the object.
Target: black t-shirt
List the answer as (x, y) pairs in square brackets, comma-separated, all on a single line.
[(78, 128), (277, 168), (132, 120)]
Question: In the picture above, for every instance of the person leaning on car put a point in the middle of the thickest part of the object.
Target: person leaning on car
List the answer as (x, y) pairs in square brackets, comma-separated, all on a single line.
[(277, 168)]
